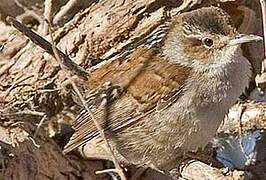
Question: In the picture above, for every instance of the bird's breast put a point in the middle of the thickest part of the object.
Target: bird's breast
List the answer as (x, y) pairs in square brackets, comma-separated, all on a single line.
[(205, 102)]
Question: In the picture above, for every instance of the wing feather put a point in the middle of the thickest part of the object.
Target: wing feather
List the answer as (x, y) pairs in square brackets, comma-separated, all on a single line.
[(145, 84)]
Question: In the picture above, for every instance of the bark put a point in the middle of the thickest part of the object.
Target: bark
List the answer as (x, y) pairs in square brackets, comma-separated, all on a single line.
[(35, 94)]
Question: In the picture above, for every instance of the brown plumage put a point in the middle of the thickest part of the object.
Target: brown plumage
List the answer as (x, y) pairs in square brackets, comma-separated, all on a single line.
[(168, 97)]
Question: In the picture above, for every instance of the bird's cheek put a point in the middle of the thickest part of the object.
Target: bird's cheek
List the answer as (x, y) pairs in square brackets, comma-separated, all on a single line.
[(199, 53)]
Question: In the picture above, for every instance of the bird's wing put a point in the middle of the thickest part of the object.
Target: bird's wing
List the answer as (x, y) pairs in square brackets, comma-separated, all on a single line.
[(124, 92)]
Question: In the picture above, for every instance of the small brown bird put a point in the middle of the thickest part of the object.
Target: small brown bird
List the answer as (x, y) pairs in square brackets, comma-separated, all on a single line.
[(170, 95)]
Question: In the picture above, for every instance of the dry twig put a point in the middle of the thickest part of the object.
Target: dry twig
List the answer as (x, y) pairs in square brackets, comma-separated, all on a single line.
[(64, 10), (68, 67), (67, 63), (117, 169), (39, 126), (47, 14)]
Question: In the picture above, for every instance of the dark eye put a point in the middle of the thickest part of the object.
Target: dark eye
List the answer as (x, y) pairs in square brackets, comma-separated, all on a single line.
[(208, 42)]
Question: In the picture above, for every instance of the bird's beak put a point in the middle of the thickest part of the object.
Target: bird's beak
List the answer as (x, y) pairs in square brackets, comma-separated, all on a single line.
[(244, 38)]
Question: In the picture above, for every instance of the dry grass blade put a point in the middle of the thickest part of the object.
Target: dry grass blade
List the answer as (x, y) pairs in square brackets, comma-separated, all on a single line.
[(118, 169), (67, 63), (69, 67)]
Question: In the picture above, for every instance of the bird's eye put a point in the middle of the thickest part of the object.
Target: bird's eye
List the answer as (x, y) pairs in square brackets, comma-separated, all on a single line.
[(207, 42)]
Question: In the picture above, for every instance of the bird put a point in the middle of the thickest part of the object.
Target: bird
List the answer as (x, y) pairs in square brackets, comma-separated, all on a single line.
[(169, 95)]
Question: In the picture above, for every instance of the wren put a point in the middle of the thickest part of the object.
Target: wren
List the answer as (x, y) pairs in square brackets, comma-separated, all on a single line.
[(170, 95)]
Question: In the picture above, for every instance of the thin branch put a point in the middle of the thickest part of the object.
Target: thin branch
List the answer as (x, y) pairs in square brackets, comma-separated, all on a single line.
[(47, 14), (34, 142), (105, 171), (67, 63), (63, 11), (118, 169), (28, 112), (39, 126)]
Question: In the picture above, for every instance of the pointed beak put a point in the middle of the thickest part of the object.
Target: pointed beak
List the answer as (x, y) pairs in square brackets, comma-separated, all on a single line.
[(244, 38)]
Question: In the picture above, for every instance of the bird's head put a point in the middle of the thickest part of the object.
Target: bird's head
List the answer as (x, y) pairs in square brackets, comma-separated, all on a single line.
[(204, 36)]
